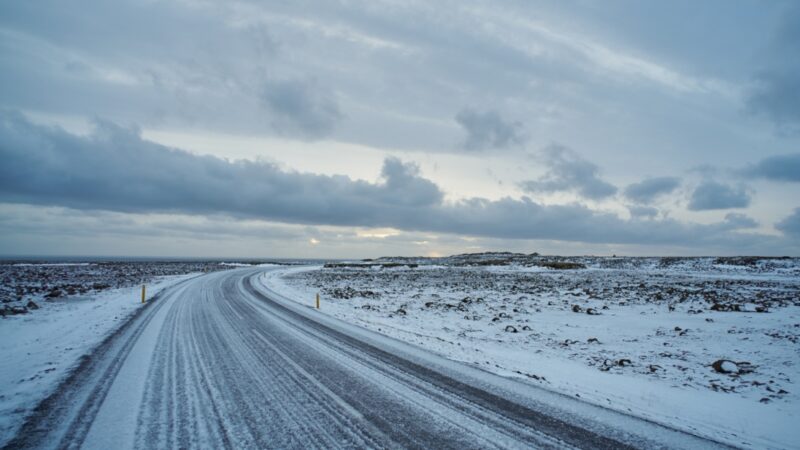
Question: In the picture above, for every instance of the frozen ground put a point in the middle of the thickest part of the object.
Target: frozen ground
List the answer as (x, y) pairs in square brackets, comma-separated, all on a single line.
[(75, 306), (640, 335)]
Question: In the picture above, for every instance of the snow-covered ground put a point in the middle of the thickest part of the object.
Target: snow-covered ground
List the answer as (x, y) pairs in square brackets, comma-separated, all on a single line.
[(635, 335), (39, 349)]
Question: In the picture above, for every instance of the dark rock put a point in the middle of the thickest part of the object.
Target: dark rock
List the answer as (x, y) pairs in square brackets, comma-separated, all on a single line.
[(14, 310), (576, 309), (729, 367), (511, 329), (32, 305)]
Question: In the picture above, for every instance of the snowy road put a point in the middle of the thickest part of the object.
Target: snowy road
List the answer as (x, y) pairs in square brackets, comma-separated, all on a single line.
[(219, 361)]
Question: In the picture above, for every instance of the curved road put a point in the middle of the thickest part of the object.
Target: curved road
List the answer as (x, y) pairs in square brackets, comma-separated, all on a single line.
[(220, 361)]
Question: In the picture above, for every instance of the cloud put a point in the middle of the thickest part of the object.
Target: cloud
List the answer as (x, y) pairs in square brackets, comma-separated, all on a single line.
[(777, 168), (777, 96), (567, 171), (489, 130), (712, 195), (403, 184), (114, 169), (646, 191), (192, 65), (738, 221), (776, 91), (638, 211), (790, 225), (300, 108)]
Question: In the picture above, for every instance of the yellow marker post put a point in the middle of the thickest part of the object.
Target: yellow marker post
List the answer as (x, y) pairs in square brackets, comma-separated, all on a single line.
[(143, 293), (317, 300)]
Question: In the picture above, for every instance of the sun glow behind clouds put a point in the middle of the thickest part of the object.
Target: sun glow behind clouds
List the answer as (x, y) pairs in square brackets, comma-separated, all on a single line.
[(379, 233)]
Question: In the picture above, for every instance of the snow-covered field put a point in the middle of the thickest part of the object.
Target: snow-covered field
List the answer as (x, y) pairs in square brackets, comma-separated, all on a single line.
[(702, 344), (40, 344)]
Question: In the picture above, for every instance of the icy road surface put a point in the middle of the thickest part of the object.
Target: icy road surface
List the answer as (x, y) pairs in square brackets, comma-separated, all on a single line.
[(220, 361)]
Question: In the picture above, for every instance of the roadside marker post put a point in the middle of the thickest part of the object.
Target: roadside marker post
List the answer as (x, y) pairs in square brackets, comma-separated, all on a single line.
[(143, 293), (317, 300)]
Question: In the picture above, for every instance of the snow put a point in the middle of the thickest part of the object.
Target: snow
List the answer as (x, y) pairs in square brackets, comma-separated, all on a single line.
[(645, 348), (40, 349)]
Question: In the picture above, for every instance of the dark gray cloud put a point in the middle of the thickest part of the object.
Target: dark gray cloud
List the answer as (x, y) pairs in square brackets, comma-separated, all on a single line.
[(711, 195), (300, 108), (489, 130), (403, 184), (777, 168), (790, 225), (567, 171), (776, 94), (646, 191), (114, 169), (737, 221)]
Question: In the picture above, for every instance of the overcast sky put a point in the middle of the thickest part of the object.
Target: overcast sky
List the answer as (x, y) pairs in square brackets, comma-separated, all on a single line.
[(361, 129)]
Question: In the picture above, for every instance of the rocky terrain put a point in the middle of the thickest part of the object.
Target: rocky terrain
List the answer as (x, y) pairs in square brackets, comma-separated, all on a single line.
[(26, 286), (727, 325)]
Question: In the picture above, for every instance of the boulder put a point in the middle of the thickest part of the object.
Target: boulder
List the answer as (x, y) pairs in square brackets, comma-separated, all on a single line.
[(725, 366)]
